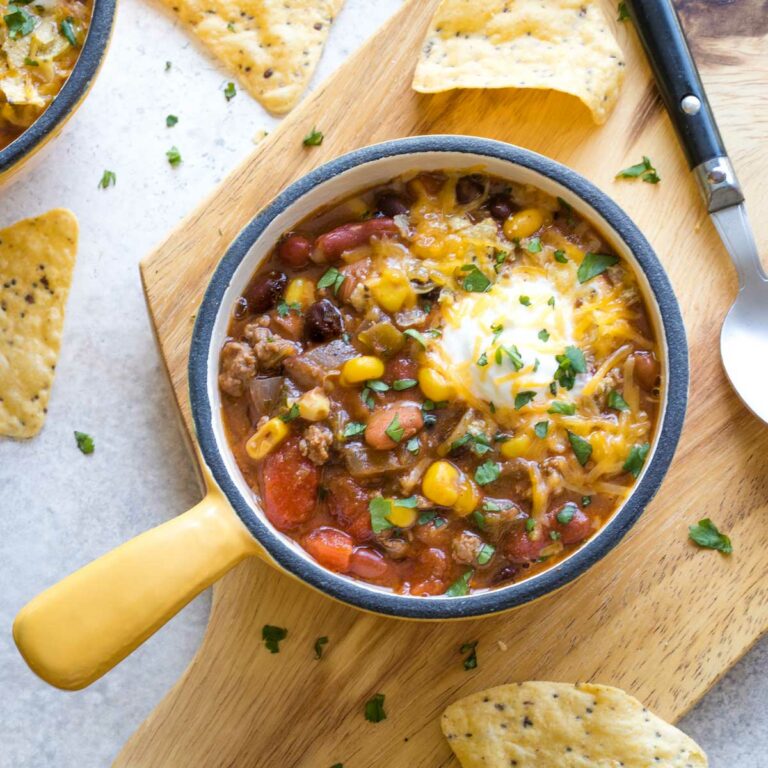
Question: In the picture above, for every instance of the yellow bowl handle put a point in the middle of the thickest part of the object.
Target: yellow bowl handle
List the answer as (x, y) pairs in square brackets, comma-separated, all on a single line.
[(78, 629)]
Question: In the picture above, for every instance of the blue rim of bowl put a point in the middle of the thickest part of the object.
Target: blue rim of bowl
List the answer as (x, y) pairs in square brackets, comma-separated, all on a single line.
[(499, 599), (74, 89)]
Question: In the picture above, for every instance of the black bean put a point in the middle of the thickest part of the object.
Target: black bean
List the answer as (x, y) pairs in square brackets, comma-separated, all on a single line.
[(241, 308), (323, 321), (391, 204), (469, 188), (264, 294), (500, 207)]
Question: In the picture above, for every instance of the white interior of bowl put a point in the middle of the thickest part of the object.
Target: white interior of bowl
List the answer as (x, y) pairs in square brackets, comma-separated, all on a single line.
[(357, 179)]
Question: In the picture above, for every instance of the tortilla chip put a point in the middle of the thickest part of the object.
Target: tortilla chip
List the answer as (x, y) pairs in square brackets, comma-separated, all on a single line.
[(271, 46), (563, 45), (541, 725), (37, 257)]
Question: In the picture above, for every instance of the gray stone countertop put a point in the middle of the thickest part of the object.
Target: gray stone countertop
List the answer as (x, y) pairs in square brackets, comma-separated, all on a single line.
[(58, 508)]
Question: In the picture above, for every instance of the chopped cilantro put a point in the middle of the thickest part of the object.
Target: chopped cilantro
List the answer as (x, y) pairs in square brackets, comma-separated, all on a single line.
[(595, 264), (581, 448), (379, 509), (643, 170), (84, 442), (400, 384), (284, 308), (460, 587), (534, 245), (551, 301), (569, 364), (616, 401), (513, 353), (525, 301), (230, 91), (272, 637), (487, 472), (530, 524), (560, 256), (623, 12), (374, 709), (544, 334), (554, 535), (706, 535), (331, 278), (484, 554), (18, 21), (174, 157), (367, 398), (479, 519), (541, 429), (414, 334), (636, 459), (482, 361), (319, 643), (171, 120), (497, 329), (499, 258), (567, 409), (413, 445), (314, 138), (586, 501), (477, 442), (67, 29), (395, 430), (31, 62), (470, 662), (565, 515), (291, 414), (108, 179), (431, 517), (168, 66), (474, 281), (353, 429), (377, 385), (523, 398)]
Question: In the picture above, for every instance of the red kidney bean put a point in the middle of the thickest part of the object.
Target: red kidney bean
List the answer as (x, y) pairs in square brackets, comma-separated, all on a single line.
[(264, 294), (521, 548), (331, 245), (578, 527), (367, 563), (295, 250), (323, 321), (469, 188), (647, 370), (500, 207), (391, 204)]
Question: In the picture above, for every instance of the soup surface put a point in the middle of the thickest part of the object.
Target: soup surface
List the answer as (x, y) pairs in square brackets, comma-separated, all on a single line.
[(39, 45), (441, 385)]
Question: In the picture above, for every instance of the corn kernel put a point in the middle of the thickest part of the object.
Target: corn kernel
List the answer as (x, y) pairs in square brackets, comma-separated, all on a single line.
[(300, 291), (266, 438), (314, 405), (434, 385), (515, 446), (402, 517), (392, 291), (360, 369), (469, 498), (523, 223), (441, 483)]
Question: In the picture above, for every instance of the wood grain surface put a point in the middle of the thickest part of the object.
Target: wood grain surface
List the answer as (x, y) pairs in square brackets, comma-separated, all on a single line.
[(657, 617)]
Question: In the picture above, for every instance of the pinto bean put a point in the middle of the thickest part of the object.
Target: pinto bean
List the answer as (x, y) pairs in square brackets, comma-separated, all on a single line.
[(331, 245), (647, 370), (295, 250), (408, 417)]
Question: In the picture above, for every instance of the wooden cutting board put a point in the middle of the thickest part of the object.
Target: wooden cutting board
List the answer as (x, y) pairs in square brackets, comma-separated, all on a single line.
[(658, 616)]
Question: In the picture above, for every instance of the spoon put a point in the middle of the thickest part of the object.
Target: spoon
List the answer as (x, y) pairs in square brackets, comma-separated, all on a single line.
[(744, 335)]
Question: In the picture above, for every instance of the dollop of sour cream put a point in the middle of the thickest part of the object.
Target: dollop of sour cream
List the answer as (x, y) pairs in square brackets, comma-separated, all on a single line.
[(498, 344)]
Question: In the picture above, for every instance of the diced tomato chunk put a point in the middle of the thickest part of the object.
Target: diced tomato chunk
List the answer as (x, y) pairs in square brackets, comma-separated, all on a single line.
[(289, 486), (331, 548), (430, 573), (401, 368), (348, 504)]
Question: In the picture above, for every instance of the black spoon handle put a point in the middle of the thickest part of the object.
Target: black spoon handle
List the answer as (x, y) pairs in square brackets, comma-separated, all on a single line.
[(683, 94), (677, 78)]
